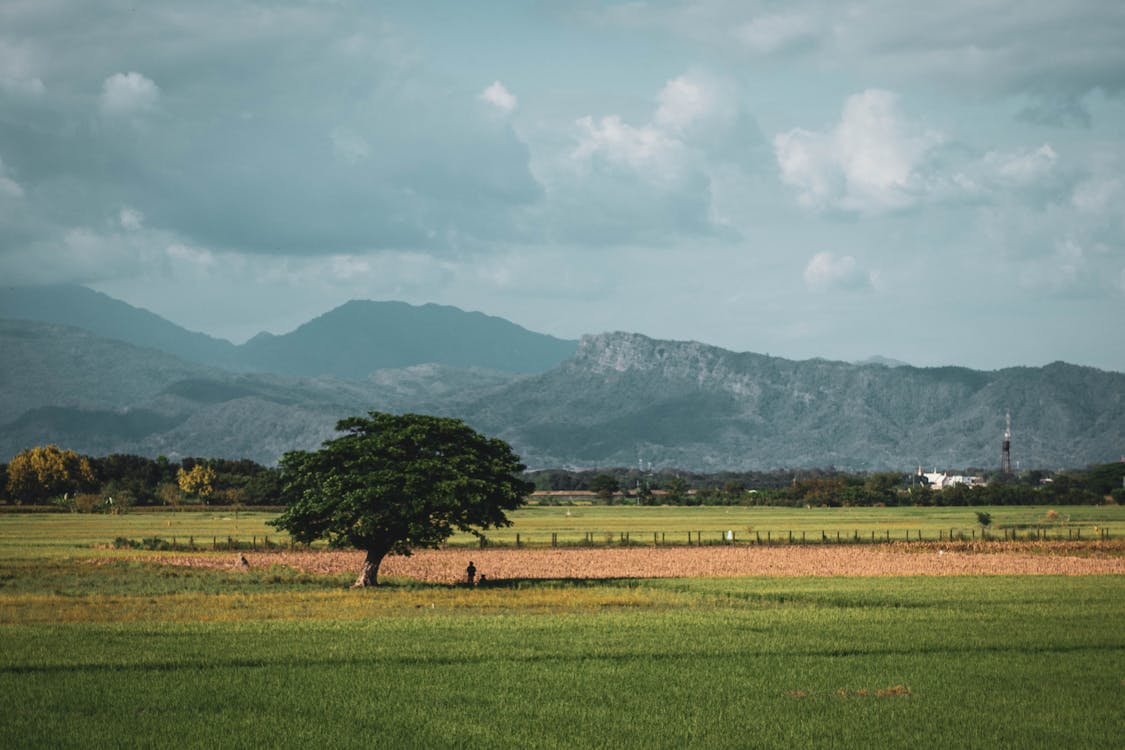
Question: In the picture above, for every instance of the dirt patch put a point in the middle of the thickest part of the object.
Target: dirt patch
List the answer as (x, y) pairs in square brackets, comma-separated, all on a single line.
[(447, 566)]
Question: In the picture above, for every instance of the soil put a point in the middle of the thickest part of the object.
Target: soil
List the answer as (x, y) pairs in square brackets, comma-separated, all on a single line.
[(447, 566)]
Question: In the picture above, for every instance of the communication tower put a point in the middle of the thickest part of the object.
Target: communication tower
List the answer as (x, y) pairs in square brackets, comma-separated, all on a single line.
[(1006, 454)]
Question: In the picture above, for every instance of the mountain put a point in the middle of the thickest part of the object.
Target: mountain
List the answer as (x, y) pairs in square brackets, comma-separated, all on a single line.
[(625, 397), (72, 305), (619, 399), (361, 337), (351, 341), (95, 395)]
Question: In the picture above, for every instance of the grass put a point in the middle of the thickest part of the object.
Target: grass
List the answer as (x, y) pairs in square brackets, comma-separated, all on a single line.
[(61, 534), (135, 656), (99, 648)]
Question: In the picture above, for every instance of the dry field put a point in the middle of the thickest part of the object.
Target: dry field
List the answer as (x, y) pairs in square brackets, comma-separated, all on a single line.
[(447, 566)]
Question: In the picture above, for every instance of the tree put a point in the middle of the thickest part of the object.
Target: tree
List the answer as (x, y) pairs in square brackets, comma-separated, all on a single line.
[(394, 483), (198, 481), (605, 485), (984, 519), (47, 471), (675, 491)]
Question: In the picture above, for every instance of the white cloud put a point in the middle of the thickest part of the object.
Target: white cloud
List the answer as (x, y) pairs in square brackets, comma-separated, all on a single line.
[(191, 258), (645, 148), (130, 219), (125, 94), (1023, 168), (825, 271), (499, 96), (868, 163), (683, 101)]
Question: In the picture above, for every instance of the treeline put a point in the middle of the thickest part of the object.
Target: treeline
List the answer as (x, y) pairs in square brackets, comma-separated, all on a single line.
[(53, 476), (50, 475), (831, 487)]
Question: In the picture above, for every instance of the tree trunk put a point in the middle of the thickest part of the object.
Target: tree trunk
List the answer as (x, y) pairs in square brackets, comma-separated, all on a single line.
[(369, 575)]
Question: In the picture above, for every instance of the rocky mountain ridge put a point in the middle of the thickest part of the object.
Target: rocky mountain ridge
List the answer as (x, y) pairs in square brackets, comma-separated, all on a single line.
[(621, 398)]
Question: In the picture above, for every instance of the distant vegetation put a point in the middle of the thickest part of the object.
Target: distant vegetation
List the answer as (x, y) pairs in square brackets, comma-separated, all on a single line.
[(113, 483), (829, 487)]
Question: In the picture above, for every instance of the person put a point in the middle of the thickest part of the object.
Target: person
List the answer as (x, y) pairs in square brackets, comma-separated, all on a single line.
[(471, 572), (483, 580)]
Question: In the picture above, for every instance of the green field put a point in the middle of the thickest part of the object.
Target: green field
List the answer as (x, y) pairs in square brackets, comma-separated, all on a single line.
[(62, 533), (101, 649)]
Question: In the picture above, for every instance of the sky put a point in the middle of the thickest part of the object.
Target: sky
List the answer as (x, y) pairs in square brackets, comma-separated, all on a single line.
[(939, 185)]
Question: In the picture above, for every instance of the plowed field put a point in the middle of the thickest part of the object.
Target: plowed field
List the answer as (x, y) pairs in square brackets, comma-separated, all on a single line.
[(997, 558)]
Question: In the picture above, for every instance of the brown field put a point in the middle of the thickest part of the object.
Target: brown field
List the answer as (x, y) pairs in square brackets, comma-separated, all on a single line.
[(931, 559)]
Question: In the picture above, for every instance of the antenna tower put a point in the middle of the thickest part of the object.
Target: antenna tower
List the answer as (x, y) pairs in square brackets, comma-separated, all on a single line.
[(1006, 454)]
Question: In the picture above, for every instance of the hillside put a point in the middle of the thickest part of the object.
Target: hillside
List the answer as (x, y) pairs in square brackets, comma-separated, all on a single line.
[(77, 306), (624, 398), (95, 395), (361, 337), (351, 341)]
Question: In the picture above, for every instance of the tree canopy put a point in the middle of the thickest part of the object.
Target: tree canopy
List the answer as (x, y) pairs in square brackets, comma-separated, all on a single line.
[(392, 483)]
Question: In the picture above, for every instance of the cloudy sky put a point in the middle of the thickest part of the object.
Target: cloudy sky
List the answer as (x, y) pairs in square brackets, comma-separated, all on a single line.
[(804, 178)]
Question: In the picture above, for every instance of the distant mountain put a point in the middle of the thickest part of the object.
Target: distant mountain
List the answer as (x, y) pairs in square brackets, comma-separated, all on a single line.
[(361, 337), (96, 395), (621, 398), (625, 397), (884, 361), (351, 341), (72, 305)]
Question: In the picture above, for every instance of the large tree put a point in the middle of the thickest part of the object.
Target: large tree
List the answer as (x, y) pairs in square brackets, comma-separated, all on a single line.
[(393, 483)]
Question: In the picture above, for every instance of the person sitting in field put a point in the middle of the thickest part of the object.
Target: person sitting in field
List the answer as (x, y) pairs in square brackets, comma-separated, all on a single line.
[(483, 580)]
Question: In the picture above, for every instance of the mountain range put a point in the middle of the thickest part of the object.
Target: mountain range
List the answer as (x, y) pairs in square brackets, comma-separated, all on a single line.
[(351, 341), (82, 370)]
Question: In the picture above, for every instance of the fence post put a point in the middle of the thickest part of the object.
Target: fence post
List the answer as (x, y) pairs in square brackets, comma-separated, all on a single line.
[(517, 540), (214, 542), (554, 539), (654, 539), (769, 537), (802, 537), (790, 536), (837, 536)]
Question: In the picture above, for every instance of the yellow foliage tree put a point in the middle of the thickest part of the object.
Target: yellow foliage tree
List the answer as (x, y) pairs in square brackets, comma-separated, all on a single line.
[(198, 481), (48, 471)]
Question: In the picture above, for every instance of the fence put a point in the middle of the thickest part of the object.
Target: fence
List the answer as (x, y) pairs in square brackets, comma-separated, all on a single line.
[(699, 538), (789, 537)]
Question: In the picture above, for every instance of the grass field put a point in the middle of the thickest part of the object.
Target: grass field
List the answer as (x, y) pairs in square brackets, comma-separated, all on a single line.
[(98, 648), (63, 533)]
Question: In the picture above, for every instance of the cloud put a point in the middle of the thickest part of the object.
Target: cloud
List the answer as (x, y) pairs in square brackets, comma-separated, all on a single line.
[(868, 163), (498, 96), (826, 272), (9, 188), (19, 69), (768, 34), (1051, 53), (646, 149), (125, 94), (130, 219)]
